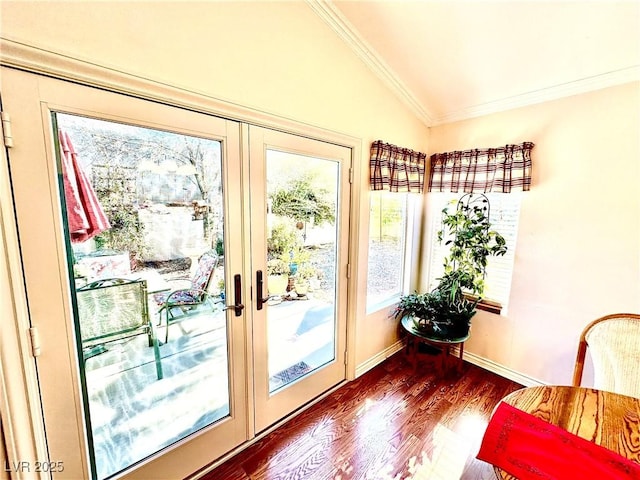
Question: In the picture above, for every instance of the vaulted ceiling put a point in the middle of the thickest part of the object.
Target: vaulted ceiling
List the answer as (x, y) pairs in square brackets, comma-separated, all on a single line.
[(450, 60)]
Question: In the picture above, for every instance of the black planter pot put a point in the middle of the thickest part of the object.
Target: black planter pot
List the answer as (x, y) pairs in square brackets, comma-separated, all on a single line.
[(446, 330)]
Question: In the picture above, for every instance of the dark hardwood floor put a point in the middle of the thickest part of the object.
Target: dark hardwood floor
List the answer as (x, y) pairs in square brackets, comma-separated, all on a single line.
[(390, 424)]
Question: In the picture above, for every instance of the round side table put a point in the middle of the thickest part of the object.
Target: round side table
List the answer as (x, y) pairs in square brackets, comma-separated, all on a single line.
[(416, 338)]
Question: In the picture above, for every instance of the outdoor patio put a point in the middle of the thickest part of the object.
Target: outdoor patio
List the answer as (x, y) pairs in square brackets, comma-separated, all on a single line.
[(133, 414)]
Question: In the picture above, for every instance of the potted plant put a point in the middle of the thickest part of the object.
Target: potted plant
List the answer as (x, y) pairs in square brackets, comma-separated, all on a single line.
[(277, 276), (302, 279), (446, 311)]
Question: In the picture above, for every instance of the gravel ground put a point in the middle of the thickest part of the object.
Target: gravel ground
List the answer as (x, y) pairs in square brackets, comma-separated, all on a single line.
[(382, 275), (384, 257)]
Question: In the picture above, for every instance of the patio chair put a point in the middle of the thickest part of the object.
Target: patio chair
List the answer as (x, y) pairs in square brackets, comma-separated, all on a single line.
[(115, 309), (614, 348), (180, 304)]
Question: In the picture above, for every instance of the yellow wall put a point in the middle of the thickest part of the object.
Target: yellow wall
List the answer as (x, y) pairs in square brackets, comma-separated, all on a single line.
[(273, 57), (578, 246)]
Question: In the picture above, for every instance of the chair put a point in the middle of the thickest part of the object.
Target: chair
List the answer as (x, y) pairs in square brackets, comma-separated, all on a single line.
[(115, 309), (186, 301), (614, 348)]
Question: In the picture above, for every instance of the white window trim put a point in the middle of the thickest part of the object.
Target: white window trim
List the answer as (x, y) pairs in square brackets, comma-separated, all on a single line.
[(409, 252)]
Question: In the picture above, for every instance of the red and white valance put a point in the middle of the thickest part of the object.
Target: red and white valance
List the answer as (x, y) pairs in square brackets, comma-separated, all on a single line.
[(396, 169), (501, 169)]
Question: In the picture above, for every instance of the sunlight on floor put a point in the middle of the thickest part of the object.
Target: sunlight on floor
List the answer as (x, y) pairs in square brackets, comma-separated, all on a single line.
[(472, 425), (446, 461), (368, 405)]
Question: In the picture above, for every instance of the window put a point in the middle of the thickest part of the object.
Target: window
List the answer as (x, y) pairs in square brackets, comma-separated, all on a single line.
[(389, 246), (504, 215)]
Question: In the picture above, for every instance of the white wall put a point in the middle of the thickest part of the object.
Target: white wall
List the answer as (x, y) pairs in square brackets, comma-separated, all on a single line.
[(578, 247)]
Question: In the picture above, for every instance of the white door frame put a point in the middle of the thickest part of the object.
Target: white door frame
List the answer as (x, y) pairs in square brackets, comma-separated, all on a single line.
[(39, 214), (19, 406)]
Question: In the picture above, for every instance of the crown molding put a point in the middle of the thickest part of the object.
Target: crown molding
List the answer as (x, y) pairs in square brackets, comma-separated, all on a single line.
[(348, 33), (577, 87)]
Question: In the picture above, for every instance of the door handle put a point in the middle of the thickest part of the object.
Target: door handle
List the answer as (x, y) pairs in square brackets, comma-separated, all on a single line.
[(237, 296), (259, 285)]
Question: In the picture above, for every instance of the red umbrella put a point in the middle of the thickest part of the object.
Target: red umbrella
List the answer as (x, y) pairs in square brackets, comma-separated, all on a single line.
[(85, 216)]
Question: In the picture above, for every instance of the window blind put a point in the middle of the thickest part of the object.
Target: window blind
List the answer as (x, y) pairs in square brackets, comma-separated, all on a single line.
[(504, 217)]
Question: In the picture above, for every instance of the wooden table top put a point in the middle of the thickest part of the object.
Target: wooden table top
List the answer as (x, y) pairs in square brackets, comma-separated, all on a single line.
[(607, 419)]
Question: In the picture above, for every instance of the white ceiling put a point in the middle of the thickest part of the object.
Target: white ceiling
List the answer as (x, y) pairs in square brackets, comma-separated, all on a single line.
[(450, 60)]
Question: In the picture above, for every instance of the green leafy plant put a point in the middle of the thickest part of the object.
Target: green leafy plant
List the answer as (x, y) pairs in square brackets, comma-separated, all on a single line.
[(277, 266), (301, 201), (306, 272), (418, 305), (284, 244), (298, 254), (283, 239), (467, 231), (126, 232), (220, 246), (447, 310)]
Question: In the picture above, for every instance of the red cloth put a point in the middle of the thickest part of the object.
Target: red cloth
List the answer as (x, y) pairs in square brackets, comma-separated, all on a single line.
[(530, 448), (85, 216)]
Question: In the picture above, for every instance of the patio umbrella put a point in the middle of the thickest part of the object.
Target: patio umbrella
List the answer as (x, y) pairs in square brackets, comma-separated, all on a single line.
[(85, 215)]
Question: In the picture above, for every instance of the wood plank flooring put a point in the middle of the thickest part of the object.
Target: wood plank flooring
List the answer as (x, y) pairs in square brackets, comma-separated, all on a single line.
[(392, 423)]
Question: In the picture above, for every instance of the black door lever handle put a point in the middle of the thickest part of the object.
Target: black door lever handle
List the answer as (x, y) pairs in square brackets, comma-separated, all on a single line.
[(260, 301), (237, 296)]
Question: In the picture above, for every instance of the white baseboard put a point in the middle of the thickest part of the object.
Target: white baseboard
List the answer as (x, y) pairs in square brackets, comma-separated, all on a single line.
[(482, 362), (502, 370), (379, 358)]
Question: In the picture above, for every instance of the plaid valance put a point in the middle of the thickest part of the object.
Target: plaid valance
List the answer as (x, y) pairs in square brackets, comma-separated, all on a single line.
[(500, 169), (396, 169)]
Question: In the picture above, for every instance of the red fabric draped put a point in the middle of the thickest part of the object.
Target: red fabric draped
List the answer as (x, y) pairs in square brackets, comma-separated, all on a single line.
[(85, 216), (530, 448)]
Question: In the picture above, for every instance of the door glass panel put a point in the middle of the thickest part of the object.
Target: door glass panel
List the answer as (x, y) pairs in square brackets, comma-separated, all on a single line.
[(302, 206), (145, 236)]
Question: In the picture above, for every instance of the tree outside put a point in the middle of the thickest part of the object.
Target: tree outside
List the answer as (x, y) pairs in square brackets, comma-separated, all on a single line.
[(138, 171)]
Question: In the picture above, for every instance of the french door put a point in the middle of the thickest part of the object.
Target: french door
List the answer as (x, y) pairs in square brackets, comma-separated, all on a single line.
[(151, 243), (113, 192), (300, 192)]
